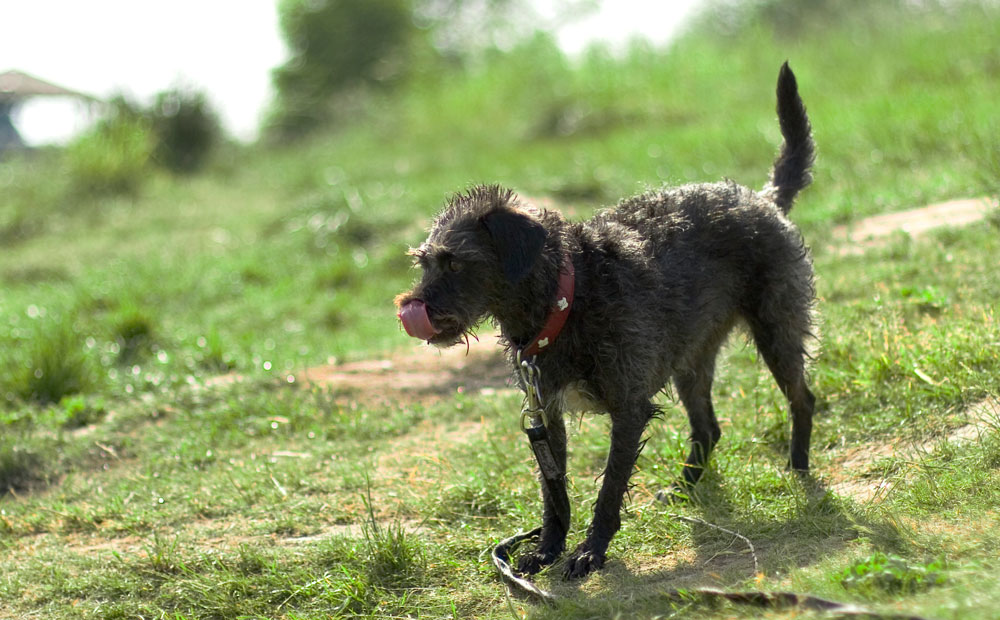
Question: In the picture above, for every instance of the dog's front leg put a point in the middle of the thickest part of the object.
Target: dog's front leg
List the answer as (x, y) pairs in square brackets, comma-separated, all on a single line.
[(626, 433), (552, 541)]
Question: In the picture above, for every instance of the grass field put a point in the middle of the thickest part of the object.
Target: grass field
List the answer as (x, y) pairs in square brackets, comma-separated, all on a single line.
[(135, 483)]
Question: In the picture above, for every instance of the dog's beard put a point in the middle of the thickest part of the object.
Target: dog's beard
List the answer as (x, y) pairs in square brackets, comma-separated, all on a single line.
[(453, 331)]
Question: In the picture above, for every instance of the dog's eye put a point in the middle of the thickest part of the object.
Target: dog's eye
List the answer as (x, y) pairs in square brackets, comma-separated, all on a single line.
[(453, 265)]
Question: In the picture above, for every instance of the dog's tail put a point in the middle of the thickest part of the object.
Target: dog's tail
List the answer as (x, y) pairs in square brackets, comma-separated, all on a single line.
[(791, 172)]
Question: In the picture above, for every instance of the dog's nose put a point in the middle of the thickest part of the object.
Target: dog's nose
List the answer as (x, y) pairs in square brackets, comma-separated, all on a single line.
[(416, 322)]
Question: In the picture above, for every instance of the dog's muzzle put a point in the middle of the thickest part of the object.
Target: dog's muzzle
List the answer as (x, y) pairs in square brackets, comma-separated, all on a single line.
[(413, 316)]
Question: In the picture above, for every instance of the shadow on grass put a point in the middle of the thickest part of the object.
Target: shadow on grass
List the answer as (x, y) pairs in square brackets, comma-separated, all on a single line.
[(819, 524)]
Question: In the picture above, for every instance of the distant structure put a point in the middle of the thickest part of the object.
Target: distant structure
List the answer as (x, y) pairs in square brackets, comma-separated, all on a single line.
[(17, 87)]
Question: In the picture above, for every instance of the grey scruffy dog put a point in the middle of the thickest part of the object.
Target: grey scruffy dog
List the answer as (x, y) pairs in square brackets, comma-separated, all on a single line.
[(660, 280)]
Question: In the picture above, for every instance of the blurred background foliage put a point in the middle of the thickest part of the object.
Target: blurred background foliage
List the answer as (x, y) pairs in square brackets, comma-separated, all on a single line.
[(342, 49), (186, 130), (337, 49)]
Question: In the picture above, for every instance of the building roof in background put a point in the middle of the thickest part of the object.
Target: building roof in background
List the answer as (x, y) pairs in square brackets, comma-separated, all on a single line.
[(16, 85)]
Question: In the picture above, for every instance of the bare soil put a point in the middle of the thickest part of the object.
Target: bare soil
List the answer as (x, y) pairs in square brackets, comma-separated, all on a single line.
[(420, 373), (876, 231), (869, 472)]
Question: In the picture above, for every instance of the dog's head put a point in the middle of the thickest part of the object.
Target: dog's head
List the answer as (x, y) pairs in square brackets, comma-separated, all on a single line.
[(479, 250)]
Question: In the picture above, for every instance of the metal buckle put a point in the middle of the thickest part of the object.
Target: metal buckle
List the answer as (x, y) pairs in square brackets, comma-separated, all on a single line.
[(532, 407)]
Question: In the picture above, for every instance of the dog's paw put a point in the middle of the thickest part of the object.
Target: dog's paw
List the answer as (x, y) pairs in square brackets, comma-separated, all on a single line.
[(582, 562), (532, 563)]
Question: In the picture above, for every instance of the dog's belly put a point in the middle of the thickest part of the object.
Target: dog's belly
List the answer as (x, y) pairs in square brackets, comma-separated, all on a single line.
[(577, 398)]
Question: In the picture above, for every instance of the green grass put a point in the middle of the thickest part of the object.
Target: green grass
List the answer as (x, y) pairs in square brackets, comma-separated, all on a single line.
[(135, 486)]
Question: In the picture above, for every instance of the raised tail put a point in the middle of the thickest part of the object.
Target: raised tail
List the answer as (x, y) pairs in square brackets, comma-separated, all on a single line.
[(791, 172)]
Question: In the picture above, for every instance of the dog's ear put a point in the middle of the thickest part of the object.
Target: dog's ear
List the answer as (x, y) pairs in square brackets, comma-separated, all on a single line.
[(518, 240)]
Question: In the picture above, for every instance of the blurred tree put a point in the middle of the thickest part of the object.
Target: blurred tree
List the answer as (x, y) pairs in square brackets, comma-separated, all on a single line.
[(337, 46), (187, 129), (341, 48)]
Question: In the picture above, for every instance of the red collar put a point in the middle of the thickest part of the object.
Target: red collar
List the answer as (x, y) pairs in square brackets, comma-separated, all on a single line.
[(559, 312)]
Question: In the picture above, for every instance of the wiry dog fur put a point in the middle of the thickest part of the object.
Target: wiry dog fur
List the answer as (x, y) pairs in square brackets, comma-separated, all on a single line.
[(661, 280)]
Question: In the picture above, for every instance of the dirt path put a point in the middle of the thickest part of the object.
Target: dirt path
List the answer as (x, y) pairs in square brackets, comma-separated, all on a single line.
[(420, 373), (873, 232), (859, 472)]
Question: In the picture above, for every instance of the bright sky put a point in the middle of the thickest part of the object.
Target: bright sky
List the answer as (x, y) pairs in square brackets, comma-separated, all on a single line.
[(225, 48), (617, 21)]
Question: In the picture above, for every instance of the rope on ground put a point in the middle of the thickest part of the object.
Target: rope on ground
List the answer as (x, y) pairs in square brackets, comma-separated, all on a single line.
[(697, 521)]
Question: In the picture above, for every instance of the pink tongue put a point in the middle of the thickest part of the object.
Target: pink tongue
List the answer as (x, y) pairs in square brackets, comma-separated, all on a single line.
[(415, 321)]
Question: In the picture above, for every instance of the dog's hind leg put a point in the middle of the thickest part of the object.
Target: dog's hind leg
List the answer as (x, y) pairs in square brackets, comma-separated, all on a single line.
[(783, 349), (694, 388), (552, 541), (627, 426)]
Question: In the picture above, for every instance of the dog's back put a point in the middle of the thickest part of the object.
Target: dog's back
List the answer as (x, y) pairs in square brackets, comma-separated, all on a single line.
[(689, 262), (718, 252)]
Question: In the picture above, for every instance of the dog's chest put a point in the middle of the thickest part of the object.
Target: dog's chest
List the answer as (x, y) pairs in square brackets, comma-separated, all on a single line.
[(577, 398)]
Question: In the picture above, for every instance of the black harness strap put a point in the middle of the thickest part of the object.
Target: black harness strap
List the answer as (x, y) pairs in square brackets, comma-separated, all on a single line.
[(553, 475)]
